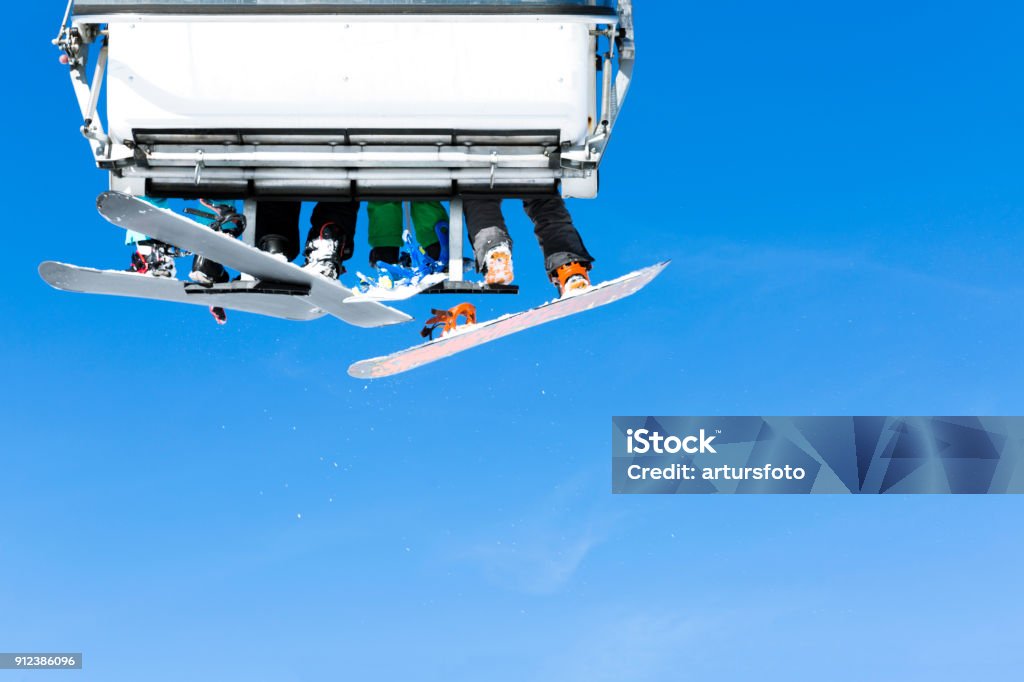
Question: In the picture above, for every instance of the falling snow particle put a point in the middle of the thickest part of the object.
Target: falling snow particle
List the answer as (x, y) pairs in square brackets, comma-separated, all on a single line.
[(298, 516)]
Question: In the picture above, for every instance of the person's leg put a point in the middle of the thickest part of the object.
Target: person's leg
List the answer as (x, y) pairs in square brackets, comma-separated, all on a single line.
[(150, 257), (338, 218), (226, 217), (489, 237), (331, 238), (277, 227), (385, 231), (426, 215), (558, 238)]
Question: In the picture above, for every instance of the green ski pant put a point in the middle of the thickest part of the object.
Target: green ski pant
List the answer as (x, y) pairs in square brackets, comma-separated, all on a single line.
[(386, 222)]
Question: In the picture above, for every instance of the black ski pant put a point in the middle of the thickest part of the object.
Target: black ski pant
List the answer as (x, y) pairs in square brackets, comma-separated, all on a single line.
[(558, 238), (279, 221)]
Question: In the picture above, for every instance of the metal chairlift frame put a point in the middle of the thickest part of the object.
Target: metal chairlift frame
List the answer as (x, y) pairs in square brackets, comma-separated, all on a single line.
[(439, 164)]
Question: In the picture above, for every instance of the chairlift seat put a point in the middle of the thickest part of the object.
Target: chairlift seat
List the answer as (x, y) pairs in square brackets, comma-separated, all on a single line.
[(366, 99)]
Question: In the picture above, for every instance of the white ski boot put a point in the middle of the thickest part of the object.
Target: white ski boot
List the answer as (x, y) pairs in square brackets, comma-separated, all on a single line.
[(322, 258)]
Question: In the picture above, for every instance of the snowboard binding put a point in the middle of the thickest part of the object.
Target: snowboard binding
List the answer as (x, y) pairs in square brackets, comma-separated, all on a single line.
[(222, 218), (414, 264), (154, 258), (448, 320), (220, 215)]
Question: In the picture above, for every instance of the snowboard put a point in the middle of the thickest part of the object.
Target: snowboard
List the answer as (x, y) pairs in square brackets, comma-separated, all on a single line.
[(287, 302), (399, 292), (329, 295), (475, 335)]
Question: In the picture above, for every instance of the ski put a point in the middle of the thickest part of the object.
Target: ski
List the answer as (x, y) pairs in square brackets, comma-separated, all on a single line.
[(477, 334), (287, 302), (326, 294)]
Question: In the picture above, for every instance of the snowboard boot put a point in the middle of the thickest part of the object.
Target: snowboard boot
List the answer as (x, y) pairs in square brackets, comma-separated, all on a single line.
[(571, 278), (434, 252), (323, 255), (153, 259), (207, 273), (273, 245), (392, 255), (498, 265)]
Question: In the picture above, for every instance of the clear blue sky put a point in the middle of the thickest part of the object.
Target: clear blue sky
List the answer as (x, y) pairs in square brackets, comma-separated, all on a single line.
[(842, 192)]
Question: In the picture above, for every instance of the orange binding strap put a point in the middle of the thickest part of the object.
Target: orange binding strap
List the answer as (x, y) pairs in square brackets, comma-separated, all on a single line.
[(449, 319)]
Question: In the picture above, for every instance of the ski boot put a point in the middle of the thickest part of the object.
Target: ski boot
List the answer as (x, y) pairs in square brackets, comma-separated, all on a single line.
[(205, 272), (571, 278), (273, 245), (322, 254), (219, 218), (154, 259), (498, 265)]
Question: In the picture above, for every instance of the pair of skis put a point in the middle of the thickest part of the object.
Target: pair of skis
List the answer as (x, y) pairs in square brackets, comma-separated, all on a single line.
[(286, 291)]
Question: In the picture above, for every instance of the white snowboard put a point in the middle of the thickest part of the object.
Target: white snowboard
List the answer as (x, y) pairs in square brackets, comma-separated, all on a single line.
[(478, 334), (329, 295), (133, 285)]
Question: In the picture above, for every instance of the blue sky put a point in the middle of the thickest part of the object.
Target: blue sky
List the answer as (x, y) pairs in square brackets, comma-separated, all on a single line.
[(840, 189)]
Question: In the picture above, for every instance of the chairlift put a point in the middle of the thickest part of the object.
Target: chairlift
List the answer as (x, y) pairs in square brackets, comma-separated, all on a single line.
[(350, 99)]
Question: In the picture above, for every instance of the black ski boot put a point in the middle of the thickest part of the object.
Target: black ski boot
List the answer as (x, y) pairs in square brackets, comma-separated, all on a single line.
[(276, 246), (223, 218), (392, 255), (206, 272)]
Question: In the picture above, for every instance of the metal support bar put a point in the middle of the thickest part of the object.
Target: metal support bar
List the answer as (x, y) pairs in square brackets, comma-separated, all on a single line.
[(622, 45), (413, 175), (455, 224), (349, 156), (249, 211), (97, 86), (471, 288)]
